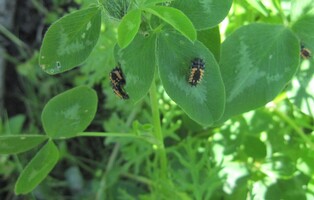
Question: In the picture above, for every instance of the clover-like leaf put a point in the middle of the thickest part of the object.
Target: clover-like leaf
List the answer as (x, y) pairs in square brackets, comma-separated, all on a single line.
[(13, 144), (138, 65), (211, 39), (69, 112), (204, 13), (204, 102), (37, 169), (128, 27), (70, 40), (257, 61), (176, 19)]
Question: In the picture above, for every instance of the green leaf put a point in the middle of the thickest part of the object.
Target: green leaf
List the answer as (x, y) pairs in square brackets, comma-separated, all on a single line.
[(15, 124), (204, 13), (37, 169), (13, 144), (69, 112), (211, 39), (256, 63), (128, 28), (175, 18), (138, 65), (70, 40), (254, 147), (304, 29), (203, 103)]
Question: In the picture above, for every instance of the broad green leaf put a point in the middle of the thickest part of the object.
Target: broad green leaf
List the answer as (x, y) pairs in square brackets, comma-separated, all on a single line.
[(70, 40), (128, 27), (69, 112), (12, 144), (204, 13), (37, 169), (175, 18), (205, 102), (301, 92), (256, 63), (211, 39), (138, 65)]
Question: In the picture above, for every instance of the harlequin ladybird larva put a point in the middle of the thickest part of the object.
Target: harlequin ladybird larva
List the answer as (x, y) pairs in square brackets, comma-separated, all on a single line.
[(305, 53), (118, 90), (117, 82), (197, 71), (117, 77)]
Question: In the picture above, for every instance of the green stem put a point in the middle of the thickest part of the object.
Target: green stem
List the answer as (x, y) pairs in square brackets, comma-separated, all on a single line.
[(138, 179), (296, 128), (114, 155), (157, 131), (22, 47)]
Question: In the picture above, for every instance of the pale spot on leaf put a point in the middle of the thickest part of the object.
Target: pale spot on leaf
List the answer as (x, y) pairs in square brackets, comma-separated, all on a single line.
[(246, 73), (88, 26)]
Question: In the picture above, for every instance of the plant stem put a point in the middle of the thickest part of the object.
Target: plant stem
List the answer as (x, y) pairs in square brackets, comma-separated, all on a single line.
[(299, 131), (161, 153), (114, 154)]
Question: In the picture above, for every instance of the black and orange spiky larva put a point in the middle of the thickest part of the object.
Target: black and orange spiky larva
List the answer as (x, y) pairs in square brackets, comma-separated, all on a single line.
[(305, 52), (117, 82), (119, 91), (117, 77), (197, 71)]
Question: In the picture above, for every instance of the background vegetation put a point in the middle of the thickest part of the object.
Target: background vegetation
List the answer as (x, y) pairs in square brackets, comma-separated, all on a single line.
[(266, 153)]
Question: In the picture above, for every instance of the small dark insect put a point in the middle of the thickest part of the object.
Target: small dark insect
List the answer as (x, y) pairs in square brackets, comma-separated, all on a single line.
[(197, 71), (116, 77), (117, 89), (305, 53), (117, 82)]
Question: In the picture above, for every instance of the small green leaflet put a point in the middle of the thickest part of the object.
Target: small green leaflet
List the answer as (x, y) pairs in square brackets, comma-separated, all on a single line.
[(128, 27), (37, 169), (211, 39), (70, 40), (204, 13), (13, 144), (69, 112), (176, 18), (138, 64)]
